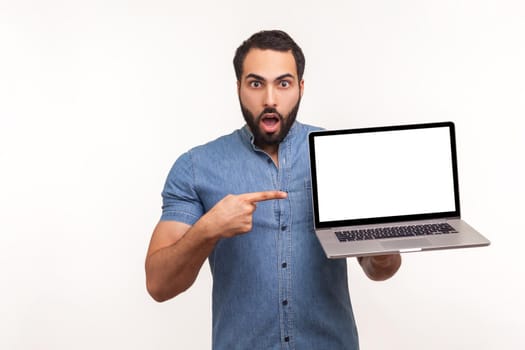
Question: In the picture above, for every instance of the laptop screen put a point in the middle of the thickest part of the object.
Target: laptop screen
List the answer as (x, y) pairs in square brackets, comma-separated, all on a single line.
[(384, 174)]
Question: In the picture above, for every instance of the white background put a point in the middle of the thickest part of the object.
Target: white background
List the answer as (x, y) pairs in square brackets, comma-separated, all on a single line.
[(98, 98)]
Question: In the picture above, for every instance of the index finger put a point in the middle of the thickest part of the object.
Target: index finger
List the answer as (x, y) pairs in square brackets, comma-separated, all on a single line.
[(254, 197)]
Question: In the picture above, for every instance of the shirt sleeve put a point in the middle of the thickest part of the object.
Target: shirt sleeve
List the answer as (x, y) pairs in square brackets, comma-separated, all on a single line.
[(180, 201)]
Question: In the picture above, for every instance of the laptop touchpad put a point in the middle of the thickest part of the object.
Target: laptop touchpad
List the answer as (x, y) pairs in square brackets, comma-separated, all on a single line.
[(404, 244)]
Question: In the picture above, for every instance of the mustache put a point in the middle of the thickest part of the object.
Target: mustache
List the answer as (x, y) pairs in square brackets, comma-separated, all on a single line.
[(270, 110)]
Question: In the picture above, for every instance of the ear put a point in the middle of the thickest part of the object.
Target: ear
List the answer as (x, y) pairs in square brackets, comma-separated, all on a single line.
[(301, 87), (238, 87)]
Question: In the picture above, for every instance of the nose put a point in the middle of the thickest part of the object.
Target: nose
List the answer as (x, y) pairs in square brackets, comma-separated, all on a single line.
[(270, 97)]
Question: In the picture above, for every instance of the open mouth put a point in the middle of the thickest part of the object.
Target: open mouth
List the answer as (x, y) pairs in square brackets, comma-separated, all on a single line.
[(270, 122)]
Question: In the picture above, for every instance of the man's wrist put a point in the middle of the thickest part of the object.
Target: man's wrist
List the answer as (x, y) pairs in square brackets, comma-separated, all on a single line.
[(205, 231)]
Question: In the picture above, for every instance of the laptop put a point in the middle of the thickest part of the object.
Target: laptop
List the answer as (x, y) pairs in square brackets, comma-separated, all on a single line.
[(389, 189)]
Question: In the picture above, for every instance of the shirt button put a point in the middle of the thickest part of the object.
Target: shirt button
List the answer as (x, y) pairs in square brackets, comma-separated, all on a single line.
[(285, 302), (286, 339), (283, 265)]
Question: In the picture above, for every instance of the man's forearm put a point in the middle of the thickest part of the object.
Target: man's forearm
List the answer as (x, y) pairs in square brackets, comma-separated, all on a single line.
[(173, 269)]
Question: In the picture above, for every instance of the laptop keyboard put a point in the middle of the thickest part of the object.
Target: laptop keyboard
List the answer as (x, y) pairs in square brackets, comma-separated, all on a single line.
[(394, 232)]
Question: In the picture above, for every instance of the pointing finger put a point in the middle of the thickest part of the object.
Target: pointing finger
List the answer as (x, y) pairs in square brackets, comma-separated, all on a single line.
[(254, 197)]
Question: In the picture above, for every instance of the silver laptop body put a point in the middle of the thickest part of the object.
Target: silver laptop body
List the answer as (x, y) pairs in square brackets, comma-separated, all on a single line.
[(391, 189)]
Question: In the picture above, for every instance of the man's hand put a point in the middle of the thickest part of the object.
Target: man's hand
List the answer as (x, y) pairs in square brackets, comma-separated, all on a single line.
[(380, 267), (233, 215)]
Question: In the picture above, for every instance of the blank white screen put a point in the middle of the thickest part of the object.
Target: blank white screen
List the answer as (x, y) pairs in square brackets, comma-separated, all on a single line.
[(387, 173)]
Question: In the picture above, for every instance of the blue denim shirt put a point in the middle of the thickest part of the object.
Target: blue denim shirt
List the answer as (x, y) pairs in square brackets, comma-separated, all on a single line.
[(273, 288)]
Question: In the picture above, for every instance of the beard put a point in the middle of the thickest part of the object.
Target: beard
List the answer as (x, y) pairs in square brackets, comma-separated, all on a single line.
[(262, 138)]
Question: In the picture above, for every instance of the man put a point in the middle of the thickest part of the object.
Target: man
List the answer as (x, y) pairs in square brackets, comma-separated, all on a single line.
[(243, 202)]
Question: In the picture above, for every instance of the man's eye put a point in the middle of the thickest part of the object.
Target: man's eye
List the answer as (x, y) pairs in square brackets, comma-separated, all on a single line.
[(284, 84), (255, 84)]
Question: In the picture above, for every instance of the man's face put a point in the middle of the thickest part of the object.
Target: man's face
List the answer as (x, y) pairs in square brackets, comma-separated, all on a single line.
[(269, 93)]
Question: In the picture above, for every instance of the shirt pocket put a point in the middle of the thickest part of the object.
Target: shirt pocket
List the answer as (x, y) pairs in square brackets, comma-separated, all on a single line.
[(300, 196), (307, 193)]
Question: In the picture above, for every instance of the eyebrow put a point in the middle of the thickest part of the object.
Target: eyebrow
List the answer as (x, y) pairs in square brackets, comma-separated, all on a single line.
[(258, 77)]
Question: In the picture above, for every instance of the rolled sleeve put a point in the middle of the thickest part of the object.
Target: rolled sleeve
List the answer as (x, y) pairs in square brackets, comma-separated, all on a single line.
[(180, 201)]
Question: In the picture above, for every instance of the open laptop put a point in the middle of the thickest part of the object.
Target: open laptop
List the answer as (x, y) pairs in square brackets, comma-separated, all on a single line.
[(389, 189)]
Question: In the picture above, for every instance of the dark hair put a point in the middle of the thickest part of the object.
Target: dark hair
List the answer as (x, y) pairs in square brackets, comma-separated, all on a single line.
[(269, 40)]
